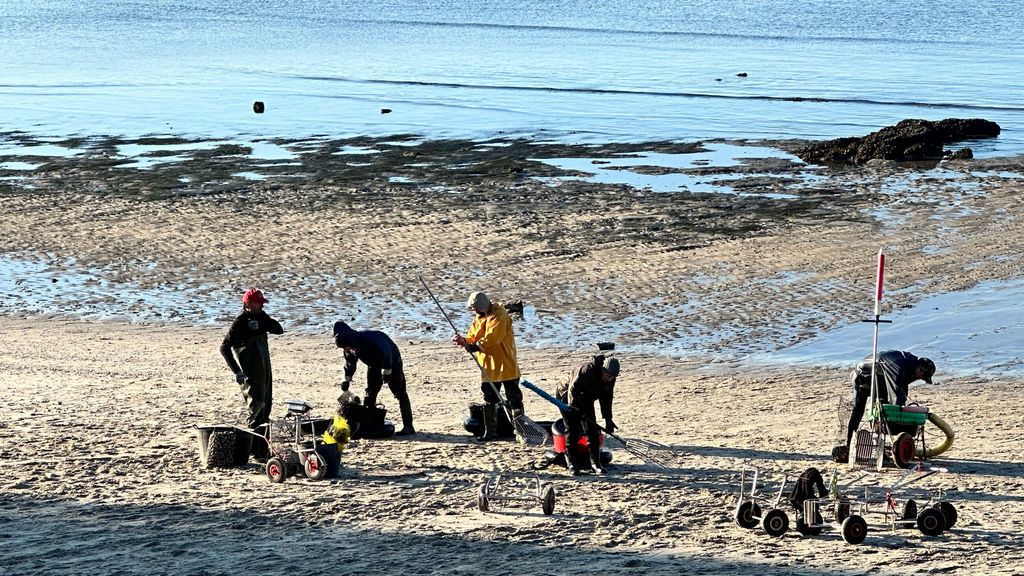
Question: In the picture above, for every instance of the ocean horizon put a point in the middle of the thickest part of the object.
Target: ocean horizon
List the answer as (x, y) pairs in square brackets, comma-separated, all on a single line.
[(568, 71)]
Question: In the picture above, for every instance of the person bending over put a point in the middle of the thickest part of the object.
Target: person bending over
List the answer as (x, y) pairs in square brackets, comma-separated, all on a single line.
[(895, 371), (383, 366), (593, 381)]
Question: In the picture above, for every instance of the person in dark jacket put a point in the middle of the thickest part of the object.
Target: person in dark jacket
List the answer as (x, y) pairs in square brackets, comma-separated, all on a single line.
[(384, 366), (247, 353), (894, 371), (593, 381)]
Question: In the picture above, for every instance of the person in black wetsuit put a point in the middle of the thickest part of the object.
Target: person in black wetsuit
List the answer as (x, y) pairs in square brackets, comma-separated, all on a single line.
[(383, 366), (895, 371), (247, 353), (593, 381)]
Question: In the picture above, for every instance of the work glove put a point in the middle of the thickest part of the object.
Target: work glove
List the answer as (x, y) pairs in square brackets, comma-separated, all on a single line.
[(471, 348), (240, 377), (609, 426), (459, 340)]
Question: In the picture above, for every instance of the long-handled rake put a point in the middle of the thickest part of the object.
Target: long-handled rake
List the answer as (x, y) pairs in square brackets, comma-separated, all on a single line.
[(528, 432), (645, 450)]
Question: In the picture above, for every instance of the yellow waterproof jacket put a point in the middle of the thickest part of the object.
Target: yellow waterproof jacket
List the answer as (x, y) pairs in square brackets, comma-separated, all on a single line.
[(494, 335)]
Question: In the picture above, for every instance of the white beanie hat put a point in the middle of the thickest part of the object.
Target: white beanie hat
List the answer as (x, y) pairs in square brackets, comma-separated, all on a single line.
[(479, 301)]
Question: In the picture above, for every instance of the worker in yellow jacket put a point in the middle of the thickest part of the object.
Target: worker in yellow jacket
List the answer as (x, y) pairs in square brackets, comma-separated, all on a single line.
[(492, 340)]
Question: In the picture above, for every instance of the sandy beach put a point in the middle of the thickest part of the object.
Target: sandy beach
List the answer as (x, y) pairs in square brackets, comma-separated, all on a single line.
[(103, 475)]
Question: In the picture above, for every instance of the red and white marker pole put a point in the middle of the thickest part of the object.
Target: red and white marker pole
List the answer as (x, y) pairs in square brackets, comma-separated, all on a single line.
[(879, 280), (873, 410)]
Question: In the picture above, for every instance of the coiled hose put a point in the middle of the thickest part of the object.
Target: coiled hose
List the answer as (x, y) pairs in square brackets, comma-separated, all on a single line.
[(944, 445)]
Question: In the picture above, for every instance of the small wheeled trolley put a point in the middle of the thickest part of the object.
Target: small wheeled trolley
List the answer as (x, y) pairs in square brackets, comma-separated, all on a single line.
[(293, 445), (510, 487), (755, 507), (855, 502)]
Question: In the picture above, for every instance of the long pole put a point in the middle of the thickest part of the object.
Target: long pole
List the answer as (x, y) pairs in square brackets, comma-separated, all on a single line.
[(873, 396), (879, 281), (483, 372)]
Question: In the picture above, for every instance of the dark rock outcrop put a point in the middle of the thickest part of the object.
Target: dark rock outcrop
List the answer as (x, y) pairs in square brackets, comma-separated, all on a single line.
[(961, 154), (907, 140)]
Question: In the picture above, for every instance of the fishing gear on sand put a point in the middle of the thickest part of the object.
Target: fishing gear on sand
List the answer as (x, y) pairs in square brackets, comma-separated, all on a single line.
[(642, 449), (528, 432)]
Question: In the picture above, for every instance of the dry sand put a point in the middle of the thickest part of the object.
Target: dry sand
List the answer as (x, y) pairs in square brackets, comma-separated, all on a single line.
[(102, 474)]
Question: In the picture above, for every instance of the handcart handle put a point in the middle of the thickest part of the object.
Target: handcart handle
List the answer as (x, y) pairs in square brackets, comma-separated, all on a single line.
[(566, 408)]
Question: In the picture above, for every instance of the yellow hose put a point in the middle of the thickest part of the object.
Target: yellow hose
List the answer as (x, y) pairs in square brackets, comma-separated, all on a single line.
[(944, 445)]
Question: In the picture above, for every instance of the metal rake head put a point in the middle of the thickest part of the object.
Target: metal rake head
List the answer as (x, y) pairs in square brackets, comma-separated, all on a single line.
[(648, 451), (529, 432)]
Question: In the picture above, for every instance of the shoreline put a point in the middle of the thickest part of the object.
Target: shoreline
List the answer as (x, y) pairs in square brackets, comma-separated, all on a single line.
[(689, 274)]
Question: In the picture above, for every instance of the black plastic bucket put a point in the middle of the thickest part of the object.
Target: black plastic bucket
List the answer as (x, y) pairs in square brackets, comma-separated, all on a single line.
[(332, 457)]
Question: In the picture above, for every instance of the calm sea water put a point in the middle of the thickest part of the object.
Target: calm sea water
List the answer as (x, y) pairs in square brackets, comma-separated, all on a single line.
[(571, 70)]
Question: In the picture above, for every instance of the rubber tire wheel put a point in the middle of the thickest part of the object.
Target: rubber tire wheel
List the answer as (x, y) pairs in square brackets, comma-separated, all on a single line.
[(909, 513), (854, 529), (806, 530), (747, 514), (315, 467), (931, 522), (481, 501), (948, 512), (903, 450), (842, 509), (277, 470), (775, 523), (547, 499)]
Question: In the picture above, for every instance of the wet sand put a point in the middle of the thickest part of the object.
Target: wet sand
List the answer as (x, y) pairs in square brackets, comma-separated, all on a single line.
[(99, 440)]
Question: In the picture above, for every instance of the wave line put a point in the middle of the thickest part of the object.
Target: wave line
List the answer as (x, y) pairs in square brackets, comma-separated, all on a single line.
[(668, 93)]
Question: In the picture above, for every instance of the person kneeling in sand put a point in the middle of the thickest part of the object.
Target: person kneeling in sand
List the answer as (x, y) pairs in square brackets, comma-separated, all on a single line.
[(383, 366), (593, 381), (247, 340)]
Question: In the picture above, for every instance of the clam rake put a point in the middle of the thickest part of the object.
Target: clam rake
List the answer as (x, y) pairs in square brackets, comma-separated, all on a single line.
[(645, 450)]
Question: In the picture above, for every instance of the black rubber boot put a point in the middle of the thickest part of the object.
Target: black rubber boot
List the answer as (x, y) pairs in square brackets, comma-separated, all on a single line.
[(571, 466), (407, 428), (490, 423), (595, 458)]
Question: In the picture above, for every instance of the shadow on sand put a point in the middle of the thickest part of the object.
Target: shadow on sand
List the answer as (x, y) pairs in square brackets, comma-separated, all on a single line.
[(65, 537)]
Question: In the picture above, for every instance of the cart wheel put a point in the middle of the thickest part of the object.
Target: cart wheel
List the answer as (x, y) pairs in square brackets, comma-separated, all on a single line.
[(855, 529), (775, 523), (315, 467), (806, 530), (903, 449), (909, 512), (931, 522), (842, 509), (547, 497), (747, 514), (948, 513), (276, 470), (481, 501)]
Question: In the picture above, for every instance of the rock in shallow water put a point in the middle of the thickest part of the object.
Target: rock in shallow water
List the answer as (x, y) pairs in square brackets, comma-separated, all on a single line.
[(907, 140)]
